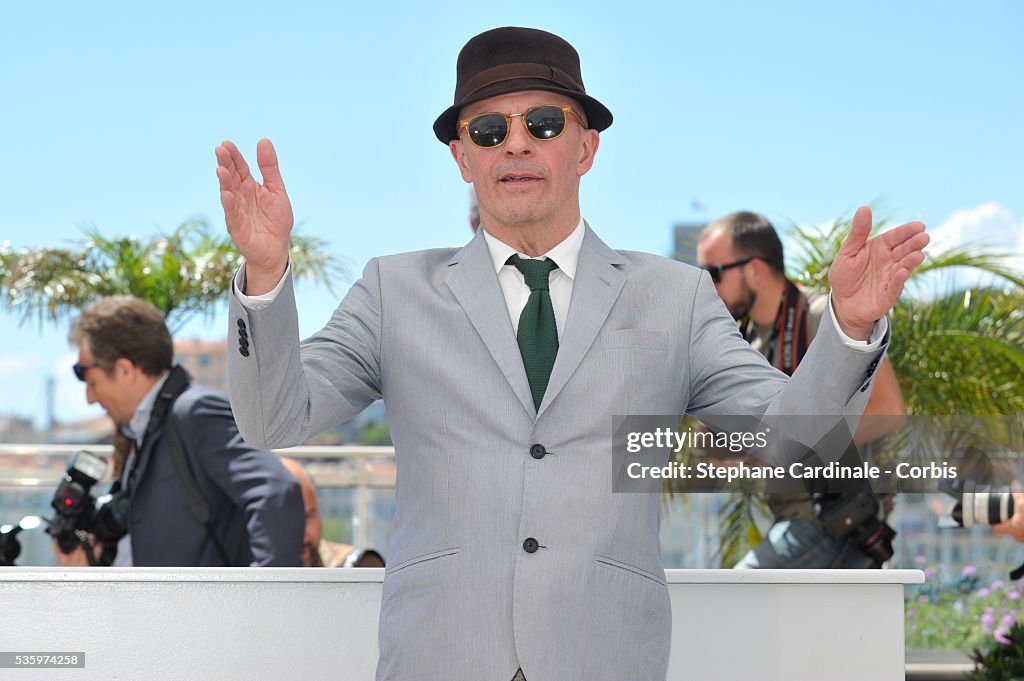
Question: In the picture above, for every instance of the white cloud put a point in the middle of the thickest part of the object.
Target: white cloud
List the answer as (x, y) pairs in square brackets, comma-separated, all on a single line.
[(991, 225)]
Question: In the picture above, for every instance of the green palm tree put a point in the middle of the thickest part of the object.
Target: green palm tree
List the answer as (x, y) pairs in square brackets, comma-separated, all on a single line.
[(182, 273), (959, 353)]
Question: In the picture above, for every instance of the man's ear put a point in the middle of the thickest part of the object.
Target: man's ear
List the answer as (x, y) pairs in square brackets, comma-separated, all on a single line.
[(762, 273), (591, 139), (459, 154), (126, 368)]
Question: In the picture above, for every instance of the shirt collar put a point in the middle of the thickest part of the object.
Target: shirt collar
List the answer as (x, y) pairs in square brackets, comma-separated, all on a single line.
[(566, 254), (136, 427)]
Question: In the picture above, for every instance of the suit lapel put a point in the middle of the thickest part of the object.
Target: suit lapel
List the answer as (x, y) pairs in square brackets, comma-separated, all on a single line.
[(474, 283), (594, 291)]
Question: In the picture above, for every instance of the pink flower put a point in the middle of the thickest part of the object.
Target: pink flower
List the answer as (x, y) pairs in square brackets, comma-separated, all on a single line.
[(969, 570), (1000, 635), (1013, 595), (983, 592)]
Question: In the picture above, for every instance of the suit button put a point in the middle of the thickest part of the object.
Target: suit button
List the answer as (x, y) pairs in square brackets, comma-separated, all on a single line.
[(242, 334), (243, 352), (538, 451), (530, 545)]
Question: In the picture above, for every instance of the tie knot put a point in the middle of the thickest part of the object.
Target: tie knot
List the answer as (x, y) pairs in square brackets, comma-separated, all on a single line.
[(536, 272)]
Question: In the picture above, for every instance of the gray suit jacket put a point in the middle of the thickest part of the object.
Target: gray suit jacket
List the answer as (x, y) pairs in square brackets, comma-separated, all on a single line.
[(255, 504), (505, 555)]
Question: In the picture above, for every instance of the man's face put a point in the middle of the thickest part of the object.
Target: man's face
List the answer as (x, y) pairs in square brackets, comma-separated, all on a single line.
[(112, 390), (733, 287), (526, 181)]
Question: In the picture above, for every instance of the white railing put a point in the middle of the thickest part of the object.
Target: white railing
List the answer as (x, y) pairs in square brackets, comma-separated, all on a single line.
[(343, 466)]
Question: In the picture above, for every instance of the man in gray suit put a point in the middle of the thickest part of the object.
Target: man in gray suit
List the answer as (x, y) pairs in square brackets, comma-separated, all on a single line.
[(254, 506), (503, 363)]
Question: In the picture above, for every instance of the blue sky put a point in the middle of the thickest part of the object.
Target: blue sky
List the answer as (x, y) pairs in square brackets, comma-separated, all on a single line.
[(799, 110)]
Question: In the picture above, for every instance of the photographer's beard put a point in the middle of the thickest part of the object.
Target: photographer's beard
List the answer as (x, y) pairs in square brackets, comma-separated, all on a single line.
[(744, 302)]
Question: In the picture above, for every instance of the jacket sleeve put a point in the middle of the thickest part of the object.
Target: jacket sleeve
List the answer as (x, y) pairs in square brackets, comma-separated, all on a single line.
[(282, 396), (733, 388)]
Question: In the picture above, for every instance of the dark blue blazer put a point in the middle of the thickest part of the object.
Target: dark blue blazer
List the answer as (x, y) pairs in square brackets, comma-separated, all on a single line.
[(255, 504)]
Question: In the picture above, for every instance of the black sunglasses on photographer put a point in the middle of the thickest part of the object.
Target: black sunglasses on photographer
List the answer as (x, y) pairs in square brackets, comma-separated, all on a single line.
[(80, 369), (716, 270)]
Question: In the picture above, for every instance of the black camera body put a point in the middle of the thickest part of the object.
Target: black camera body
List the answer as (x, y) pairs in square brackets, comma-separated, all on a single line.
[(854, 518), (79, 513)]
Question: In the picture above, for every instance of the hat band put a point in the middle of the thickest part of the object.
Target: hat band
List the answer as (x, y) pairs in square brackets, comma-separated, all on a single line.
[(507, 72)]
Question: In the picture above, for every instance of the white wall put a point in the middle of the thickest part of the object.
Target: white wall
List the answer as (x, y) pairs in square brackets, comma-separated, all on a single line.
[(308, 624)]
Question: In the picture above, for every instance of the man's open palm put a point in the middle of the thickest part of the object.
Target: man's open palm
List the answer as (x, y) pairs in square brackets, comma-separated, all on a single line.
[(868, 275), (259, 217)]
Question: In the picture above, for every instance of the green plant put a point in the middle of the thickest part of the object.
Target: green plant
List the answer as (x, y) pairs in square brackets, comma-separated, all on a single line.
[(960, 612), (182, 273), (1002, 661)]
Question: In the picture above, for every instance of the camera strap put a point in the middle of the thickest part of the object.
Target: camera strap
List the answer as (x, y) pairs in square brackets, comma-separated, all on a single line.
[(197, 504), (788, 343), (177, 382), (792, 329)]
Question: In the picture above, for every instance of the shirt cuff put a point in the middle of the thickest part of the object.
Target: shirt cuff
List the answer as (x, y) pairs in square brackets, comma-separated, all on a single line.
[(874, 341), (262, 301)]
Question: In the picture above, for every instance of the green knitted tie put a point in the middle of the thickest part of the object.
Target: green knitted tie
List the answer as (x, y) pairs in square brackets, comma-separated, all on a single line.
[(537, 334)]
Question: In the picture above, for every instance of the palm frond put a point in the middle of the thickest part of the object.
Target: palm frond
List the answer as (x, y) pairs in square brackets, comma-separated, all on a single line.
[(183, 273)]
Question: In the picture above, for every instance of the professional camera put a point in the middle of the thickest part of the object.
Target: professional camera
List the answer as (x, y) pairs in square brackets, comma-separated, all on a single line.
[(10, 547), (855, 518), (79, 513), (977, 508)]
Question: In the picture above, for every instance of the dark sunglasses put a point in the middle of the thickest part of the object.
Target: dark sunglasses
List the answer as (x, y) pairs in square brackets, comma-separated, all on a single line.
[(80, 369), (490, 130), (716, 270)]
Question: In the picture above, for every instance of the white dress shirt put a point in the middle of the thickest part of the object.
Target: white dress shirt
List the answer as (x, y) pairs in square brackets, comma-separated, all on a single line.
[(513, 284)]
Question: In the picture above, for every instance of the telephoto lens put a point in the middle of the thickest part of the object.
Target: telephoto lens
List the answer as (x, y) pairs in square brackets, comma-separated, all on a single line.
[(983, 508)]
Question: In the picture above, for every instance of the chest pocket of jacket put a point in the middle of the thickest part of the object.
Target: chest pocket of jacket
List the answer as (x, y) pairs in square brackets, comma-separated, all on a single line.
[(632, 365)]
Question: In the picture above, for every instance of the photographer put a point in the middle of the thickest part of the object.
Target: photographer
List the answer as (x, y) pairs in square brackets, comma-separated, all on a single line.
[(744, 255), (177, 449)]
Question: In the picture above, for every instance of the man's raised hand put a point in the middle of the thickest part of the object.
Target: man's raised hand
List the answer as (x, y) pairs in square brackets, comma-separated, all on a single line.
[(259, 217), (868, 275)]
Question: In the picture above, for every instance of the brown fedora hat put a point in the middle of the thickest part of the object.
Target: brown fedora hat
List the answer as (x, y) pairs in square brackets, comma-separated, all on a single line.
[(514, 59)]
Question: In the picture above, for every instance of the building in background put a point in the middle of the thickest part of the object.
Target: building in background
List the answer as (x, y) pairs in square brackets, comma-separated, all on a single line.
[(206, 360), (684, 247)]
